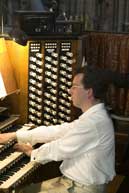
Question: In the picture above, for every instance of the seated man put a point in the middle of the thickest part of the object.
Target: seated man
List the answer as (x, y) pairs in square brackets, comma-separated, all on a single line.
[(85, 145)]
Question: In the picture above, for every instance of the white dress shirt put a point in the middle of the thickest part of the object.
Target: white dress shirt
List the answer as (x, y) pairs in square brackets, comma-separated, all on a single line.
[(85, 145)]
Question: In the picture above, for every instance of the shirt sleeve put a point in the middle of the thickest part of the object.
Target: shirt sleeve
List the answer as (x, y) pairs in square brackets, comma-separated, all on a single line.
[(81, 138), (42, 134)]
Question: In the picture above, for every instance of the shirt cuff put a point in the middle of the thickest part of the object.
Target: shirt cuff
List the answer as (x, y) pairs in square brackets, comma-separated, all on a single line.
[(35, 157)]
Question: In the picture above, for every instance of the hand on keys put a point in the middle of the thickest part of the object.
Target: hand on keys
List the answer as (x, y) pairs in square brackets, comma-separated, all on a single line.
[(23, 147)]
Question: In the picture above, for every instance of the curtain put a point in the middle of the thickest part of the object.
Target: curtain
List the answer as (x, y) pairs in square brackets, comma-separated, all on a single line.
[(110, 51)]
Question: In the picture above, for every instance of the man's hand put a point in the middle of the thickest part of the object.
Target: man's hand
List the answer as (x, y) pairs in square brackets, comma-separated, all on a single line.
[(5, 137), (25, 148)]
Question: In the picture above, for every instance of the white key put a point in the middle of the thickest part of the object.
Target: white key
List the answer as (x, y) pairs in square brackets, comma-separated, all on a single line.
[(17, 176), (9, 159)]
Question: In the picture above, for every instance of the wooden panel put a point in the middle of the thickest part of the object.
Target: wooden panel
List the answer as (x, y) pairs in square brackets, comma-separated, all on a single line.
[(18, 56), (6, 71), (114, 185)]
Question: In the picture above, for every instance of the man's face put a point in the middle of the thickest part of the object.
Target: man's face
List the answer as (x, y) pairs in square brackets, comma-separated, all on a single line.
[(78, 92)]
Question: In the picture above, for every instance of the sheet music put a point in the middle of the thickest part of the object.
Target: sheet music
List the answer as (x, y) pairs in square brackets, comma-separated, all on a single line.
[(3, 92)]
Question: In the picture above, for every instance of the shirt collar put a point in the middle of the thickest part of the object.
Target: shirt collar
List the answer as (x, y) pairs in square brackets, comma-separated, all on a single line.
[(93, 109)]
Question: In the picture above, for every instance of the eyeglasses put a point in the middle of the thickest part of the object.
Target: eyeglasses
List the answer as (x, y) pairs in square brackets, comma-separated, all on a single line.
[(76, 86)]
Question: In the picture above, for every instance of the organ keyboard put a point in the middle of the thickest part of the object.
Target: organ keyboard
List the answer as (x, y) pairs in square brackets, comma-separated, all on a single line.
[(15, 176), (2, 109), (15, 167), (8, 122), (4, 164)]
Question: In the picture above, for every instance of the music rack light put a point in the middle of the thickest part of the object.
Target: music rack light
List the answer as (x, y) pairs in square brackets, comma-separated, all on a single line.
[(3, 34)]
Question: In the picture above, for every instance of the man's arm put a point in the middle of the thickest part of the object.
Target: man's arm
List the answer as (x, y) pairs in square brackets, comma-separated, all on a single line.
[(42, 134), (5, 137)]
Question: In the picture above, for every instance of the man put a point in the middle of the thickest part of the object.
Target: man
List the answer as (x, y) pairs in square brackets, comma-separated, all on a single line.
[(85, 145)]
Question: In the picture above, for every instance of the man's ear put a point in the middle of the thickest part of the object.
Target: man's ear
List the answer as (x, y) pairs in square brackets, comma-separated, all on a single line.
[(90, 92)]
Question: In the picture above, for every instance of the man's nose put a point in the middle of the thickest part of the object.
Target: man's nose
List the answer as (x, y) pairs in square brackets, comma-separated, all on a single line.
[(70, 91)]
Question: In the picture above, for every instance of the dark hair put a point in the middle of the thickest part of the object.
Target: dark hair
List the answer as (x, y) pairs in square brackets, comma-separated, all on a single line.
[(99, 79)]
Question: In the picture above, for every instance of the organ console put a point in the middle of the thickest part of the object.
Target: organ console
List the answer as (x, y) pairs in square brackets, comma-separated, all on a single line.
[(15, 167), (44, 82)]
